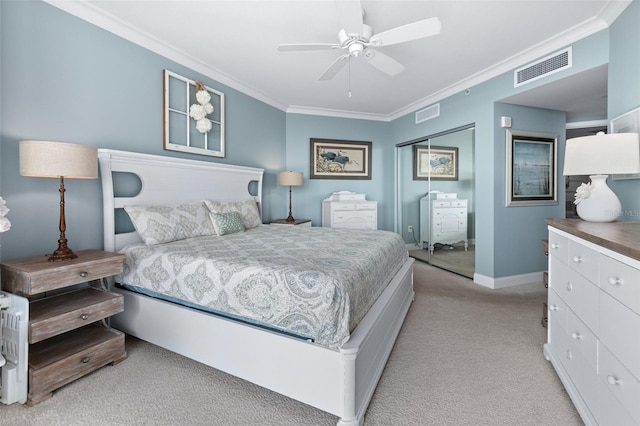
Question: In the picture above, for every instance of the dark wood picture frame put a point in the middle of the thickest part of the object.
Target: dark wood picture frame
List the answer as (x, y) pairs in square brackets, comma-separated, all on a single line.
[(339, 159), (435, 162)]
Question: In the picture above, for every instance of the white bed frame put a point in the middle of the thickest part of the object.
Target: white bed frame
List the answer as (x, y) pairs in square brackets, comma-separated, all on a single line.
[(339, 381)]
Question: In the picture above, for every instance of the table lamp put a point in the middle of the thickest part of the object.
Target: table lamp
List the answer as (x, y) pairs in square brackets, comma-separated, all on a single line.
[(599, 156), (58, 160), (290, 179)]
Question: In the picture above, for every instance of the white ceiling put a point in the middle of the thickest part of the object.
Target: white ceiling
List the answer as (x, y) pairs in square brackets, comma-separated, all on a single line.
[(235, 42)]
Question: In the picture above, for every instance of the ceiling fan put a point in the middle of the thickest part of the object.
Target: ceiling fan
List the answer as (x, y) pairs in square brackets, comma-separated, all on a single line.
[(357, 39)]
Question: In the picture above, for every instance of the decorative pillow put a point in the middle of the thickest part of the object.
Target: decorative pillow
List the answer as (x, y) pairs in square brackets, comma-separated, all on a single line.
[(163, 224), (248, 211), (227, 223)]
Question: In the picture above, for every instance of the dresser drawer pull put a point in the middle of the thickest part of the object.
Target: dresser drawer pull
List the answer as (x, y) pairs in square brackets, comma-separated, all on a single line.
[(568, 354), (577, 259), (84, 274), (613, 380), (555, 246), (569, 286), (615, 281), (84, 317), (576, 335), (85, 360), (553, 307)]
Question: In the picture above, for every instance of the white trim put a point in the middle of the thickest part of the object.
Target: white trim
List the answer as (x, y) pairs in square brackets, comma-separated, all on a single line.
[(586, 124), (511, 281), (92, 14)]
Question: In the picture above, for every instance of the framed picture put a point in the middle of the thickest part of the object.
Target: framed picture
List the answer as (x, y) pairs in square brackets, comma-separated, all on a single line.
[(531, 169), (626, 123), (337, 159), (435, 162), (197, 131)]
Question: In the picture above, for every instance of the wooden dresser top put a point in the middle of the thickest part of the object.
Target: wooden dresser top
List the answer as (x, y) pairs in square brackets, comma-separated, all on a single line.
[(621, 237)]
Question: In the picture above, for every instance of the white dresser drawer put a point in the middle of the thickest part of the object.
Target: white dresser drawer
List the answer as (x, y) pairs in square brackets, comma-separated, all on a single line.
[(558, 247), (354, 206), (583, 260), (557, 311), (582, 340), (620, 281), (578, 293), (610, 412), (620, 332), (584, 376), (620, 382)]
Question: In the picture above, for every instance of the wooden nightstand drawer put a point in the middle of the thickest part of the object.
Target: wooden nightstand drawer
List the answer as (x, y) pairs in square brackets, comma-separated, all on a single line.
[(38, 275), (64, 358), (59, 314)]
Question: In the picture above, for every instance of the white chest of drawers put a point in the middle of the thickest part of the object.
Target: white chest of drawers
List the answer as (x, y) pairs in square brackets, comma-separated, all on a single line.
[(354, 214), (594, 317), (443, 221)]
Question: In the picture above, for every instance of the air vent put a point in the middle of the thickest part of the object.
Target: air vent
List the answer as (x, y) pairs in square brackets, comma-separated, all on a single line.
[(551, 64), (428, 113)]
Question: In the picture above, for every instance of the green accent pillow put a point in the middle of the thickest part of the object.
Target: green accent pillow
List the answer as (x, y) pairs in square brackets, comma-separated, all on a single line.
[(227, 223)]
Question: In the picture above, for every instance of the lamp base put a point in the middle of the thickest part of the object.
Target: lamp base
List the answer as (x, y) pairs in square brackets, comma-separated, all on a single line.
[(62, 253), (602, 205)]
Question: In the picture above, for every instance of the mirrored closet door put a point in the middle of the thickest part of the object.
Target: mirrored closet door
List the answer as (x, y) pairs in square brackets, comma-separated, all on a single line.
[(436, 198)]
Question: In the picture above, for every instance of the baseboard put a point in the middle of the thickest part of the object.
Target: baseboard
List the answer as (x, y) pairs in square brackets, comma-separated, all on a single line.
[(511, 281)]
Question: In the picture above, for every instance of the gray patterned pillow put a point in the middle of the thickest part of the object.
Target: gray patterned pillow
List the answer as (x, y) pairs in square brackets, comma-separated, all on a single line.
[(163, 224), (248, 211)]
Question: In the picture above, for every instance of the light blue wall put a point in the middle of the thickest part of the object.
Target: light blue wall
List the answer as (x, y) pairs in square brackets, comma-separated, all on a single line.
[(65, 79), (624, 93), (307, 201)]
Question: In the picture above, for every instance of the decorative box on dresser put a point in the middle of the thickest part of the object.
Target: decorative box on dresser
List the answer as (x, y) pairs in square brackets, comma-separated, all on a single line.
[(68, 332), (594, 317)]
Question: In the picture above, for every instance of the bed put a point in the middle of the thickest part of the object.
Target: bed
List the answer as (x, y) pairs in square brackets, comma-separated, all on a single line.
[(336, 373)]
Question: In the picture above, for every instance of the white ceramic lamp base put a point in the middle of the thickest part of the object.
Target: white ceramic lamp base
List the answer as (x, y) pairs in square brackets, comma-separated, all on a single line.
[(602, 205)]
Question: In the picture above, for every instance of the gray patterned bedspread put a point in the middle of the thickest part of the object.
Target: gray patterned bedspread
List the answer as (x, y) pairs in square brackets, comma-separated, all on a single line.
[(317, 283)]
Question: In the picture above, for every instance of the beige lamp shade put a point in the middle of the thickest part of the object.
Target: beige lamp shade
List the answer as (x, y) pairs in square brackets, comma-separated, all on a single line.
[(602, 154), (58, 159), (290, 179)]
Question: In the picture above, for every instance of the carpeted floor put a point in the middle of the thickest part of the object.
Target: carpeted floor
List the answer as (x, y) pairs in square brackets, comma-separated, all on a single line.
[(452, 258), (466, 355)]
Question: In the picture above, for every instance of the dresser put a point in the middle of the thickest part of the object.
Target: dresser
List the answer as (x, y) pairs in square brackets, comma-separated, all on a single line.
[(350, 213), (443, 220), (68, 334), (593, 339)]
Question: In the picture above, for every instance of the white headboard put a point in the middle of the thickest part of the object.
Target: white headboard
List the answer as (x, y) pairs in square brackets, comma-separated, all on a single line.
[(169, 180)]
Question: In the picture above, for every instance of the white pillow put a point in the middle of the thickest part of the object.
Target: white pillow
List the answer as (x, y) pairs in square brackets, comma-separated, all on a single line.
[(163, 224), (248, 211)]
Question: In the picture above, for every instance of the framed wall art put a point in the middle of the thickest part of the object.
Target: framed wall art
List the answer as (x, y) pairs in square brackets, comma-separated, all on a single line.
[(193, 117), (628, 122), (435, 162), (531, 169), (338, 159)]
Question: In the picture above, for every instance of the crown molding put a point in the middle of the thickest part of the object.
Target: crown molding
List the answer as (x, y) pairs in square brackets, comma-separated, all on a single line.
[(108, 22), (88, 12)]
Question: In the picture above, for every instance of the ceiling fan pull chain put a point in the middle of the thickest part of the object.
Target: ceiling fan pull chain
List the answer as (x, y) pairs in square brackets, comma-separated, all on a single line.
[(349, 76)]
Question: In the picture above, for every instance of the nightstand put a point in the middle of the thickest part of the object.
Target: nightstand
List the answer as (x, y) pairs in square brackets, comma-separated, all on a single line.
[(297, 222), (68, 332)]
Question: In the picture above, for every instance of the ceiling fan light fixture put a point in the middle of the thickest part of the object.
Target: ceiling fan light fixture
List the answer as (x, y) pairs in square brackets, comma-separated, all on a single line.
[(356, 49)]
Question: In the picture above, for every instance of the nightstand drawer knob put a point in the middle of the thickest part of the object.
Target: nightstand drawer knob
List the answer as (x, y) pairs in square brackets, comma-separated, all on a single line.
[(613, 380), (84, 274), (85, 360), (84, 316)]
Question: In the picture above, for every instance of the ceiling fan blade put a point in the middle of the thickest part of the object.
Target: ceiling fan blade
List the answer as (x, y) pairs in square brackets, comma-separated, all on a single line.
[(350, 16), (408, 32), (384, 63), (335, 66), (306, 46)]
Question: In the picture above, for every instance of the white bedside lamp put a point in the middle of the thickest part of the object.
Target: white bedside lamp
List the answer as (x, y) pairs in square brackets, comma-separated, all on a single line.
[(59, 160), (599, 156), (290, 179)]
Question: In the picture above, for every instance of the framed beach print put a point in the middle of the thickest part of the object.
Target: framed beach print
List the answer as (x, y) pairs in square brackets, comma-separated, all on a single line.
[(531, 169), (626, 123), (435, 162), (338, 159)]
